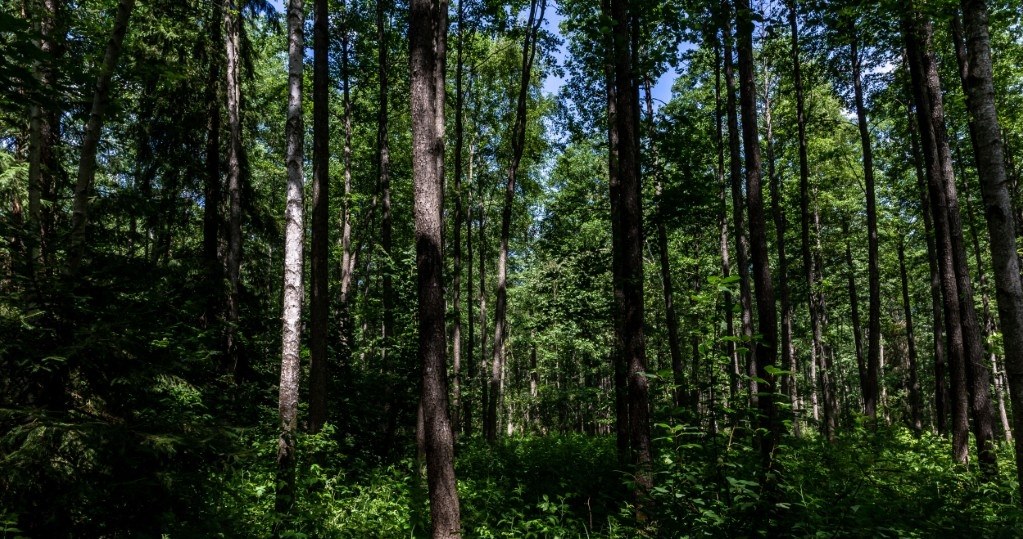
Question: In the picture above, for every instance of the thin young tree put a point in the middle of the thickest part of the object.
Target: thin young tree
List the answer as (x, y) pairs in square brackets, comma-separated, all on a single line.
[(427, 36), (518, 143)]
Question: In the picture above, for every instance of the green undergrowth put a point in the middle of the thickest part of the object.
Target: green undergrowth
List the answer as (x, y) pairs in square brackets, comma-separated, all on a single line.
[(864, 484)]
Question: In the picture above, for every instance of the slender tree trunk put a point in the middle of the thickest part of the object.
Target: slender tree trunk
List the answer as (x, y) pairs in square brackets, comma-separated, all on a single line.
[(212, 189), (44, 135), (456, 285), (348, 252), (738, 205), (940, 386), (518, 140), (916, 420), (470, 381), (318, 299), (427, 34), (871, 384), (813, 288), (630, 254), (384, 174), (235, 160), (766, 349), (788, 381), (291, 345), (827, 374), (667, 289), (726, 265), (91, 135), (855, 311), (990, 161)]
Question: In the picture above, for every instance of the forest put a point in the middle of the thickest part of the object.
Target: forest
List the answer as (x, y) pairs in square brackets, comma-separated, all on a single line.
[(519, 268)]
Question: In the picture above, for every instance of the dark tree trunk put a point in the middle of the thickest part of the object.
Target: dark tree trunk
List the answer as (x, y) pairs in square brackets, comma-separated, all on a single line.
[(940, 385), (427, 35), (990, 159), (814, 295), (854, 303), (456, 284), (931, 136), (630, 254), (518, 141), (384, 175), (667, 289), (726, 265), (788, 385), (44, 136), (916, 419), (318, 298), (91, 135), (291, 335), (765, 350), (738, 205), (235, 168), (871, 384), (212, 190)]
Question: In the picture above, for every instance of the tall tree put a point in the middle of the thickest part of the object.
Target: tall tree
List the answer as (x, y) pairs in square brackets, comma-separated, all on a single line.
[(869, 384), (990, 160), (212, 186), (916, 421), (235, 168), (383, 174), (630, 252), (319, 301), (766, 349), (294, 232), (44, 135), (427, 35), (91, 135), (518, 143), (456, 278)]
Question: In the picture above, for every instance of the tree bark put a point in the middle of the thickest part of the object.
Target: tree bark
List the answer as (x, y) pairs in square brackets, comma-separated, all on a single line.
[(44, 136), (766, 349), (630, 254), (871, 384), (384, 174), (319, 302), (990, 161), (291, 335), (91, 135), (212, 188), (456, 284), (931, 134), (738, 205), (427, 34), (235, 168)]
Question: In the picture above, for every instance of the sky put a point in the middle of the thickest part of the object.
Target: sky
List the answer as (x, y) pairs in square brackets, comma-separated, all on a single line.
[(660, 92)]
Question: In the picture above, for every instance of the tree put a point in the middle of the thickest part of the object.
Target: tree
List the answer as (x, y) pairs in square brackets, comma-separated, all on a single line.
[(294, 232), (427, 36), (990, 160), (93, 130), (318, 298), (235, 168)]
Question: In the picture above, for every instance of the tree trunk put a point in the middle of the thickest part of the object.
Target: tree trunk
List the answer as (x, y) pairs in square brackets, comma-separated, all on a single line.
[(384, 172), (456, 285), (726, 265), (814, 294), (235, 160), (765, 350), (427, 34), (788, 381), (871, 384), (630, 254), (738, 205), (940, 386), (212, 189), (667, 289), (44, 136), (91, 135), (318, 299), (854, 303), (990, 160), (931, 136), (916, 421), (518, 141), (291, 335)]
